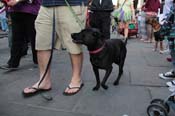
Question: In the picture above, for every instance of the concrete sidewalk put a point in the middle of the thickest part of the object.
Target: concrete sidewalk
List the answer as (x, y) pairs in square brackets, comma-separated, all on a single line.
[(138, 86)]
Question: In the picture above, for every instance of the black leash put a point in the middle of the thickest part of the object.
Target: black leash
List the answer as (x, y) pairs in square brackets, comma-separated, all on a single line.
[(46, 96)]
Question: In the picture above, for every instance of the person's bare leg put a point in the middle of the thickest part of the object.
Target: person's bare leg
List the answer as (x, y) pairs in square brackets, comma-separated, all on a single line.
[(43, 58), (76, 61), (126, 30), (155, 46), (149, 33), (161, 46)]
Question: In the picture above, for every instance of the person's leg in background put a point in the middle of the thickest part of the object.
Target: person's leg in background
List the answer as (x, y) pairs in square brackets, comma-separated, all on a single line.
[(170, 74), (17, 41), (149, 33), (171, 84), (95, 21), (4, 24), (161, 47), (31, 33), (126, 30), (25, 47), (143, 26), (105, 25), (101, 21)]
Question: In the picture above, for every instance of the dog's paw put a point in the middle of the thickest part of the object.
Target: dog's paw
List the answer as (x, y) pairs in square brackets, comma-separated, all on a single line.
[(96, 88), (115, 83), (105, 87)]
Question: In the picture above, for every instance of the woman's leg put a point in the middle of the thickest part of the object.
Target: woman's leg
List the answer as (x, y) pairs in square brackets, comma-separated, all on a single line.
[(149, 33), (126, 30)]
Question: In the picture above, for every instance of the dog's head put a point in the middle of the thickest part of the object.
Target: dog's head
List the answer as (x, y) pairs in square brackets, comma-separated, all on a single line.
[(88, 37), (155, 23)]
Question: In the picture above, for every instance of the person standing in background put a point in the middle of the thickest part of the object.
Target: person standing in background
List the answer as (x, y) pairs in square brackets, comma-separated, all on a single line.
[(151, 8), (170, 75), (166, 9), (127, 16), (23, 15), (100, 16), (142, 25)]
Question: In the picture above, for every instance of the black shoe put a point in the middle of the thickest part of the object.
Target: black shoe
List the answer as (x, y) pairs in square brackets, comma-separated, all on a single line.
[(9, 68)]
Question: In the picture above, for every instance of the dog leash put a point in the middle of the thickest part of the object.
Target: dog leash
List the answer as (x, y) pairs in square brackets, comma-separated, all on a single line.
[(80, 23), (46, 96)]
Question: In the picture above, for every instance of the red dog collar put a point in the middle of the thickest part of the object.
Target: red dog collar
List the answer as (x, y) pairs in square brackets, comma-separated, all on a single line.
[(97, 50)]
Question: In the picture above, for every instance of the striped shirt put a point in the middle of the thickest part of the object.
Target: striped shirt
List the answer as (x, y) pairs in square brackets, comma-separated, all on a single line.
[(49, 3)]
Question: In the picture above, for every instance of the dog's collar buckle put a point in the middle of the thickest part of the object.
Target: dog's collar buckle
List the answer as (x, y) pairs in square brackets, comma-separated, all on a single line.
[(97, 50)]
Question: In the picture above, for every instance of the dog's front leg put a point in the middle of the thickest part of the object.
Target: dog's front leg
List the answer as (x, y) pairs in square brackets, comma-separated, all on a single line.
[(108, 72), (96, 72)]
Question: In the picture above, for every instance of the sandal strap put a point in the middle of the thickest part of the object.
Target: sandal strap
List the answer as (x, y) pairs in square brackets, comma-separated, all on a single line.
[(74, 87), (34, 88)]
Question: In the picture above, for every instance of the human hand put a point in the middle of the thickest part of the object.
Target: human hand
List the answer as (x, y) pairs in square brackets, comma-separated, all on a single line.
[(12, 2), (115, 7)]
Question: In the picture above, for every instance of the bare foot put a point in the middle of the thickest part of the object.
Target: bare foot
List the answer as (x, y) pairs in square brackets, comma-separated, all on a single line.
[(42, 86)]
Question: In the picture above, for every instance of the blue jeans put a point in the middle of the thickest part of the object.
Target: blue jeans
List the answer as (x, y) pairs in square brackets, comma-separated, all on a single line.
[(4, 25)]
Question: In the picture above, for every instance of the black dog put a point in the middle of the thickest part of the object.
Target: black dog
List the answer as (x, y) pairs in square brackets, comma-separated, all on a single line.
[(102, 53)]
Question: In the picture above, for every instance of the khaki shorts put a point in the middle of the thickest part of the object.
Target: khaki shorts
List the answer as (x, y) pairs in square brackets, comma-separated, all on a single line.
[(65, 24)]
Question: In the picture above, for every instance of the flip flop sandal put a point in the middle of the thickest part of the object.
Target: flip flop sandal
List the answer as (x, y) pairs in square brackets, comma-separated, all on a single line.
[(35, 92), (78, 89)]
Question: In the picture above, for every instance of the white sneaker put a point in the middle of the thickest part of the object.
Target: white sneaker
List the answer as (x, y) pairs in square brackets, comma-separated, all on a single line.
[(167, 75), (171, 83), (161, 52), (172, 89), (166, 51)]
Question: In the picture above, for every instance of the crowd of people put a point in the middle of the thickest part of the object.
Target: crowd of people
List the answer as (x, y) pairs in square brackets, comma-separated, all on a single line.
[(38, 21), (153, 17)]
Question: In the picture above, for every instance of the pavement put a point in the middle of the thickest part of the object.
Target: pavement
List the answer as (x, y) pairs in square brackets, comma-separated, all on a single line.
[(138, 86)]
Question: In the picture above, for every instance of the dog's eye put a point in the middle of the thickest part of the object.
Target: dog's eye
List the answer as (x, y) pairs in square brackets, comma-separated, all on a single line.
[(95, 34)]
